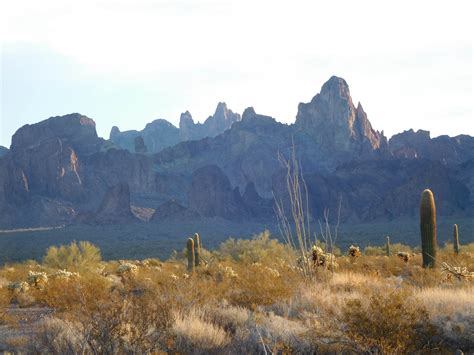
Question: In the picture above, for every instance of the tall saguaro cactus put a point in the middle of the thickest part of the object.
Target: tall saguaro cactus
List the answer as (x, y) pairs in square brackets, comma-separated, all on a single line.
[(197, 249), (428, 228), (190, 247), (455, 239), (387, 246)]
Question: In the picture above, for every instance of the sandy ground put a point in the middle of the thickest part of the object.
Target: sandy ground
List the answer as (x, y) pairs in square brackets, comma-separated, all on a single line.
[(24, 322)]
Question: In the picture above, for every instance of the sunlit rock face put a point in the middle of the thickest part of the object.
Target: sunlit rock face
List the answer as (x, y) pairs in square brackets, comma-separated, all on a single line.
[(334, 123)]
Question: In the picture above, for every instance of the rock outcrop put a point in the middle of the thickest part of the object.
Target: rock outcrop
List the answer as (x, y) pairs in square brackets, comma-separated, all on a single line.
[(114, 209), (161, 134), (156, 136), (211, 195), (332, 120), (214, 125), (115, 206), (450, 150)]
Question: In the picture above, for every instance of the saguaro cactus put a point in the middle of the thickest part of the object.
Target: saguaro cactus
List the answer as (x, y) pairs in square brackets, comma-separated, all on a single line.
[(190, 247), (387, 246), (428, 228), (197, 249), (455, 239)]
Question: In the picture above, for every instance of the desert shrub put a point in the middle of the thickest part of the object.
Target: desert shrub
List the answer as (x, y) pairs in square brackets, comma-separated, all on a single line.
[(193, 331), (381, 250), (257, 285), (56, 336), (73, 256), (258, 249), (374, 250), (108, 320), (451, 310), (390, 323), (468, 248)]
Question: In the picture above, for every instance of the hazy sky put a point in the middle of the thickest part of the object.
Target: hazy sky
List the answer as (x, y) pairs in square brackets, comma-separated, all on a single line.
[(125, 63)]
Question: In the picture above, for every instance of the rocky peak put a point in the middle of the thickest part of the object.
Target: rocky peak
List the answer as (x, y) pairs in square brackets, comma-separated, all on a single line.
[(160, 124), (248, 114), (185, 119), (186, 126), (114, 132), (334, 122), (74, 129), (222, 120), (335, 89)]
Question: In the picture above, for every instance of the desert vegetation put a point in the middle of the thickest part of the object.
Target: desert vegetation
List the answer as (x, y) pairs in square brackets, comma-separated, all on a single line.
[(246, 296), (259, 295)]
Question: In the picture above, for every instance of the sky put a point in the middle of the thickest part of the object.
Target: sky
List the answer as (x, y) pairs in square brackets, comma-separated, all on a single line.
[(126, 63)]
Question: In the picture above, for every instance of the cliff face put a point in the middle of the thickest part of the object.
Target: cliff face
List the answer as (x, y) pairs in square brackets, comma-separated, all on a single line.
[(58, 171)]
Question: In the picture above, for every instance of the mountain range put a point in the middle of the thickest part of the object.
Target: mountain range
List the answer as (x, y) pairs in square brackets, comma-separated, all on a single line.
[(58, 171)]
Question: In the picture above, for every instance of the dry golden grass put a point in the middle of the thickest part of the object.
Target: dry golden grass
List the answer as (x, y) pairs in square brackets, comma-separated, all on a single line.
[(247, 298)]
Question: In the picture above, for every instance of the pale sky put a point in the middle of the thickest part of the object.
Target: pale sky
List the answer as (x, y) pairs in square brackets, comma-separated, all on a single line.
[(126, 63)]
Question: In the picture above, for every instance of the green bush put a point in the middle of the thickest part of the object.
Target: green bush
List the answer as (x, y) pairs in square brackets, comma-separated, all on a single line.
[(73, 256), (258, 249)]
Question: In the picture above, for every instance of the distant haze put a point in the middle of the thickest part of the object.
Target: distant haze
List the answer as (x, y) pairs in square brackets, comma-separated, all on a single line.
[(125, 63)]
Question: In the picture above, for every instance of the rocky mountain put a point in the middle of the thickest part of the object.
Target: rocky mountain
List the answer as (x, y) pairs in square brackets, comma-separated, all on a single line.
[(449, 150), (3, 151), (332, 120), (156, 136), (59, 171), (161, 134), (221, 121)]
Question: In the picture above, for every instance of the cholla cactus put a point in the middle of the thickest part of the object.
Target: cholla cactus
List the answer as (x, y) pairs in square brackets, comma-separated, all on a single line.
[(127, 268), (226, 271), (36, 279), (152, 263), (404, 256), (316, 254), (272, 272), (18, 286), (63, 274), (229, 272), (320, 258), (353, 251)]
